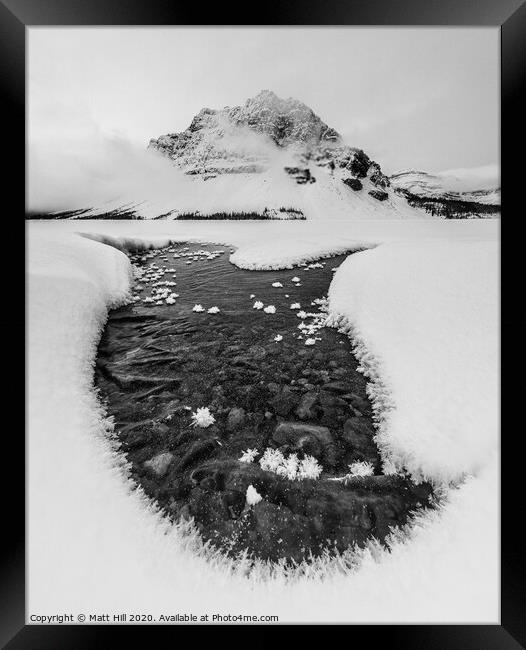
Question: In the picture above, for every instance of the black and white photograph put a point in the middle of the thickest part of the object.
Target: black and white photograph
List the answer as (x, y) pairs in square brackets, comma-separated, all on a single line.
[(263, 324)]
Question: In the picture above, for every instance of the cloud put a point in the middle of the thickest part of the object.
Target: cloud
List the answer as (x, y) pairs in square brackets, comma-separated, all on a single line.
[(86, 172), (90, 168)]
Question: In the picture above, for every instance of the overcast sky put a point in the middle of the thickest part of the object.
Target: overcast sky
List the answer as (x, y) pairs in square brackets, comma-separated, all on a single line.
[(416, 97)]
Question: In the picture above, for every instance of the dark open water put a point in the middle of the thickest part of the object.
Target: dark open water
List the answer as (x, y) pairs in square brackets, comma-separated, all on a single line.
[(158, 363)]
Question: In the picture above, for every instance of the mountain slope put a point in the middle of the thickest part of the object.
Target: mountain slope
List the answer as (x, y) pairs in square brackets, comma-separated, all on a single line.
[(454, 193)]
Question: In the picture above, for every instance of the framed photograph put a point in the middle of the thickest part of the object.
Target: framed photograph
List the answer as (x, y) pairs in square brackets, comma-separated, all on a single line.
[(262, 320)]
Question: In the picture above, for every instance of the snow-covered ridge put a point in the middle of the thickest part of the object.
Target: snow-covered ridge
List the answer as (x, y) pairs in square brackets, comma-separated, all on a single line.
[(479, 185)]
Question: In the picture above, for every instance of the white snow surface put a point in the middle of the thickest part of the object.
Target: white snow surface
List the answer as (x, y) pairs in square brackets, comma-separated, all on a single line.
[(422, 307)]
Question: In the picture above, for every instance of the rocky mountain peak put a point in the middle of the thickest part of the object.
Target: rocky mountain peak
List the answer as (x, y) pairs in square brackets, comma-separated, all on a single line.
[(286, 121), (243, 139)]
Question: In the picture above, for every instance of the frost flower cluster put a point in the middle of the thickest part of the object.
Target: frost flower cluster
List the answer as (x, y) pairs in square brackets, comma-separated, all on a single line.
[(290, 467), (318, 320), (323, 303), (202, 417)]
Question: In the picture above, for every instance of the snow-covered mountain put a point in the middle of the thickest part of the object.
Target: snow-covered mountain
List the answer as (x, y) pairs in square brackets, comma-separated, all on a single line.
[(276, 157), (269, 158), (480, 185)]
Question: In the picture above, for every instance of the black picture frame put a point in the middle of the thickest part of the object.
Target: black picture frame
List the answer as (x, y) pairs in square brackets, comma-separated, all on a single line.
[(510, 16)]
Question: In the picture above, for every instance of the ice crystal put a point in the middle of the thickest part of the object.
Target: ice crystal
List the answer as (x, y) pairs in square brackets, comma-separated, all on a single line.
[(361, 468), (248, 456)]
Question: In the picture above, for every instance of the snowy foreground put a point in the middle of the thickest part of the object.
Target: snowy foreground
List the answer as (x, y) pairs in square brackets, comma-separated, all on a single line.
[(422, 306)]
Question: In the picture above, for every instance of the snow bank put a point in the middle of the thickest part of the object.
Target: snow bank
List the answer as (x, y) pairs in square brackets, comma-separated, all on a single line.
[(97, 546), (425, 320), (289, 242), (267, 254)]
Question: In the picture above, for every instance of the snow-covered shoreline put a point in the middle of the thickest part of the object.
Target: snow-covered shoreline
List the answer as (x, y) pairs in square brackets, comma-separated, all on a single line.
[(425, 323), (103, 548)]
